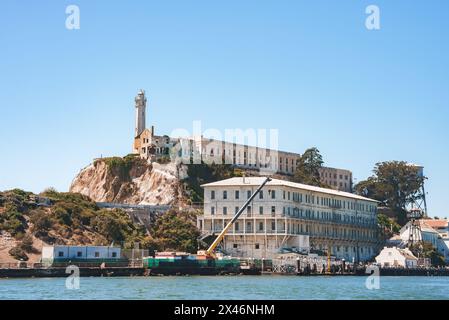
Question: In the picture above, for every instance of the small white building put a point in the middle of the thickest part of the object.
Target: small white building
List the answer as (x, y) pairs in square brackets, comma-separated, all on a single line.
[(396, 257), (56, 253)]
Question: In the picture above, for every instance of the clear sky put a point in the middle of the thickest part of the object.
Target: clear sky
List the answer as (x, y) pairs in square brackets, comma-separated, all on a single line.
[(308, 68)]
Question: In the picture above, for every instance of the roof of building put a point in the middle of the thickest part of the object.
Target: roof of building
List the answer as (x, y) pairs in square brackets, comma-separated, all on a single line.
[(425, 227), (256, 181), (436, 223), (403, 252), (407, 254)]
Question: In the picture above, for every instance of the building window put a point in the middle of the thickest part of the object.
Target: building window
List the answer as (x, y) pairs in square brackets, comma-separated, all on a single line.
[(260, 210), (260, 226), (225, 210), (114, 254), (248, 210), (273, 194), (60, 254), (260, 194), (237, 226), (225, 195), (235, 245), (79, 254), (237, 194), (273, 210), (236, 209), (273, 225), (97, 254), (212, 210), (248, 194), (256, 246), (212, 194)]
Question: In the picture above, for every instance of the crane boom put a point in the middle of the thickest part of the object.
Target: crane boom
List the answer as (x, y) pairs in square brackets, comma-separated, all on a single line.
[(236, 216)]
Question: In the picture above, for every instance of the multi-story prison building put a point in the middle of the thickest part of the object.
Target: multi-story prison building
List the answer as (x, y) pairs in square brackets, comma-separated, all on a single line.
[(288, 216)]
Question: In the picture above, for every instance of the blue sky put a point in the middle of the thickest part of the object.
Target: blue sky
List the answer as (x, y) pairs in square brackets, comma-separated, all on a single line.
[(308, 68)]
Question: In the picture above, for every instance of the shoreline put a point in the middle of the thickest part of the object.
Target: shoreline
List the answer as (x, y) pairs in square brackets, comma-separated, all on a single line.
[(29, 273)]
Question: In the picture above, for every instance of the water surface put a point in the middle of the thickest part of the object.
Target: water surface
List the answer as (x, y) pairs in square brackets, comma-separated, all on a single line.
[(227, 287)]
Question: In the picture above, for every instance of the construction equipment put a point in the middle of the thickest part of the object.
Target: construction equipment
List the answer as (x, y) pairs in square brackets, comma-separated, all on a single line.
[(210, 251)]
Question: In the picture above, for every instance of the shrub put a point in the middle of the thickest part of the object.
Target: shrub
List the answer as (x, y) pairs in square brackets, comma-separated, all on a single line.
[(62, 216), (27, 243), (18, 254), (42, 222)]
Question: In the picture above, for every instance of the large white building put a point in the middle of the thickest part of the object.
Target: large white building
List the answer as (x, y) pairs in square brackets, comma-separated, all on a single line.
[(288, 216), (200, 149)]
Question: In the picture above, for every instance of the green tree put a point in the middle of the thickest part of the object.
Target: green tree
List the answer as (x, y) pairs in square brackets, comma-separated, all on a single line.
[(388, 226), (176, 231), (426, 250), (395, 184), (307, 168)]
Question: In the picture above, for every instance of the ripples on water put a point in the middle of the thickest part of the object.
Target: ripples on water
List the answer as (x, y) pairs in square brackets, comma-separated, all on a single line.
[(228, 287)]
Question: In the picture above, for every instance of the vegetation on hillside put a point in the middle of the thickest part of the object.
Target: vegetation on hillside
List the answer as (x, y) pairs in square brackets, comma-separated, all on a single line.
[(121, 166), (175, 230), (388, 226), (204, 173), (12, 206), (74, 219)]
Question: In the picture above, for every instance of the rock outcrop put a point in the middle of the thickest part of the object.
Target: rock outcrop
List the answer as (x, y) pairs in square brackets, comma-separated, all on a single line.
[(130, 180)]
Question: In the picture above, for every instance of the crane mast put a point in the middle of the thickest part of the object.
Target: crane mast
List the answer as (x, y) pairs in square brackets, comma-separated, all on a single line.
[(210, 250)]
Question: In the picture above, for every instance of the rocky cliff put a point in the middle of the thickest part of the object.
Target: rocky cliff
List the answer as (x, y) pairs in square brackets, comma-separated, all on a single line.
[(130, 180)]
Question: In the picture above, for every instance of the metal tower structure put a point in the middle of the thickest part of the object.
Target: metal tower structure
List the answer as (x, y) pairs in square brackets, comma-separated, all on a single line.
[(414, 235), (416, 211), (420, 197)]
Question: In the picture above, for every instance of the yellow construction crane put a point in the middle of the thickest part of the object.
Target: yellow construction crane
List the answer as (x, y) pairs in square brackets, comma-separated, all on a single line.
[(210, 251)]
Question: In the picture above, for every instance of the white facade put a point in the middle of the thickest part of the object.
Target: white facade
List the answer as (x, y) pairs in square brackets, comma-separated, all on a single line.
[(80, 252), (290, 216), (443, 248), (395, 257)]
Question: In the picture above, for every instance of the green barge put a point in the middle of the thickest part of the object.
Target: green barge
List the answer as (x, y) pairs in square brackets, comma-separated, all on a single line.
[(179, 263)]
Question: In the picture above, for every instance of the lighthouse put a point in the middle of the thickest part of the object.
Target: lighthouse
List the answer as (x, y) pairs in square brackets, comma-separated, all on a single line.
[(141, 105)]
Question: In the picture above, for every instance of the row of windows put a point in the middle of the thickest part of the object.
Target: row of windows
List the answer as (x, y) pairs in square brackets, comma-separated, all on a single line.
[(345, 249), (248, 194), (299, 197), (325, 175), (236, 209), (80, 254), (300, 228)]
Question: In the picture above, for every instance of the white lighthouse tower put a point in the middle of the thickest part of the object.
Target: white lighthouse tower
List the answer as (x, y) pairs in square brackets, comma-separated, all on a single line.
[(141, 105)]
